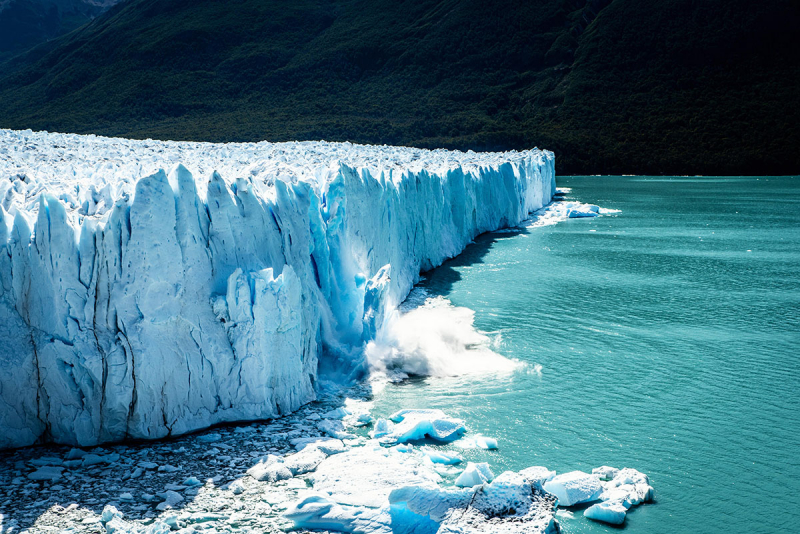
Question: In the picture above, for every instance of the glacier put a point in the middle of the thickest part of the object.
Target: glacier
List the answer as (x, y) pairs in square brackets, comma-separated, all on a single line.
[(152, 288)]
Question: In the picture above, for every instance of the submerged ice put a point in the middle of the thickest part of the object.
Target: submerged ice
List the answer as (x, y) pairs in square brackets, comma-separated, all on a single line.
[(151, 288)]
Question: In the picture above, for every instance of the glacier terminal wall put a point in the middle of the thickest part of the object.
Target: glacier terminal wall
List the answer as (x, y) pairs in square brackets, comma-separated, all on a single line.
[(152, 288)]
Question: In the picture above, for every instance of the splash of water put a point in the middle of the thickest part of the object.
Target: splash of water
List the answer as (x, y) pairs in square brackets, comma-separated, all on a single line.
[(431, 337)]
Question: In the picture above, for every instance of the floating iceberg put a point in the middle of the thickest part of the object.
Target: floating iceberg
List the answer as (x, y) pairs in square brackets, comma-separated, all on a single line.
[(151, 288), (612, 513), (618, 490), (625, 489), (413, 425)]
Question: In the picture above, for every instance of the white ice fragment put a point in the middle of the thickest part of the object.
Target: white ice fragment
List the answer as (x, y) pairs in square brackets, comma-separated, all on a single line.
[(209, 438), (575, 487), (412, 425), (441, 457), (612, 513), (47, 472), (365, 476), (537, 475), (94, 459), (192, 481), (381, 428), (605, 472), (109, 513), (334, 429), (45, 460), (237, 487), (75, 454), (326, 445), (474, 475), (339, 413), (270, 470), (577, 210), (167, 468), (477, 442), (628, 487), (304, 461), (173, 498)]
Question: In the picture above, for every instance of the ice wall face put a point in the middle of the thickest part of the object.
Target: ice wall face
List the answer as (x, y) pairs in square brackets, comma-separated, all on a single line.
[(139, 304)]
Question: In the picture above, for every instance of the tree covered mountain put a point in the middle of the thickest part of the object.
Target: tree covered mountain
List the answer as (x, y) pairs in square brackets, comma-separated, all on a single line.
[(622, 86), (27, 23)]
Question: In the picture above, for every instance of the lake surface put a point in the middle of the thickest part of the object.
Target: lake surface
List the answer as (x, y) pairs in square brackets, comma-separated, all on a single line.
[(667, 336)]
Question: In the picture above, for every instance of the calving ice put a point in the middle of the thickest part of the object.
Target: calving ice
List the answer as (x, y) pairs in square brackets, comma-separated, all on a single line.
[(154, 288)]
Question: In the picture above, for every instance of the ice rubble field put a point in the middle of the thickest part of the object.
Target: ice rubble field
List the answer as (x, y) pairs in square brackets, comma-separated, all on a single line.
[(154, 288), (319, 468)]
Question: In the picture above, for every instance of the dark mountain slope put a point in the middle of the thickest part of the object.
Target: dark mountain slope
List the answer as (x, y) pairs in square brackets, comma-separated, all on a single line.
[(643, 86), (27, 23)]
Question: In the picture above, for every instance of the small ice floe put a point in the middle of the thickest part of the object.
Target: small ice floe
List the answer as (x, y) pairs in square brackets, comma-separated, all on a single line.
[(610, 512), (413, 425), (474, 475), (618, 490), (577, 210)]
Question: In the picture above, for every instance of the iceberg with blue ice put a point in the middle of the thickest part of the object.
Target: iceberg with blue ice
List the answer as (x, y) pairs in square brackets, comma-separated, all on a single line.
[(150, 289)]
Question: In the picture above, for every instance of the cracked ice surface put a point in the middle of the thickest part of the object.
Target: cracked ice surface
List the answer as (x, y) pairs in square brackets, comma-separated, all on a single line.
[(149, 289)]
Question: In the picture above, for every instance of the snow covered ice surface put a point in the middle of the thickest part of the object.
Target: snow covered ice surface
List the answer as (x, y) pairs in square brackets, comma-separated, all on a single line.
[(152, 288)]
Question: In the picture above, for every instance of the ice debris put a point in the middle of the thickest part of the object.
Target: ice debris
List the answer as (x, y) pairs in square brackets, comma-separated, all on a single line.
[(575, 487), (474, 475), (625, 489), (413, 425)]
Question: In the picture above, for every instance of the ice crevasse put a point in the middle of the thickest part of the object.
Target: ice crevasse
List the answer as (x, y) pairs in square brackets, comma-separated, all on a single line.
[(154, 288)]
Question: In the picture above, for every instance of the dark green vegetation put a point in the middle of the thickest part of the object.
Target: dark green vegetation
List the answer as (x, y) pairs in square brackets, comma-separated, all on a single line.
[(626, 86)]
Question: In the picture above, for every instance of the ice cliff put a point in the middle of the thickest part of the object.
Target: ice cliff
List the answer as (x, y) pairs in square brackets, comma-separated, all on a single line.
[(153, 288)]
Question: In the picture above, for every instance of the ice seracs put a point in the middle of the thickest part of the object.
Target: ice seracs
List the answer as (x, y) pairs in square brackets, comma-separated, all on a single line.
[(149, 289)]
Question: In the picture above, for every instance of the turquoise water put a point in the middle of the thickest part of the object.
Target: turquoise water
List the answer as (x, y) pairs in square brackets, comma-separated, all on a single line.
[(668, 339)]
